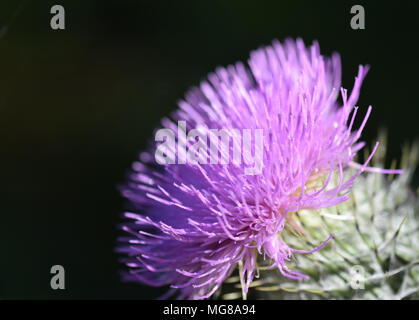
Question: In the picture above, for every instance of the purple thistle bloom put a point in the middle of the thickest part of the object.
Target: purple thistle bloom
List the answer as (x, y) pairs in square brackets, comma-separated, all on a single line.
[(190, 225)]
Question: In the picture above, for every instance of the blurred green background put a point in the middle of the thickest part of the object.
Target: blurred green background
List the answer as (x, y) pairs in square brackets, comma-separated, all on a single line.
[(76, 106)]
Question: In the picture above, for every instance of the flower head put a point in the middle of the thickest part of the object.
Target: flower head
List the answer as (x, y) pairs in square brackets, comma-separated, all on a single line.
[(191, 224)]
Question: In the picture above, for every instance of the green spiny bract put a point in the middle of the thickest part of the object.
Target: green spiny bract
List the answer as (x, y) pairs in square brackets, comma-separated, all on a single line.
[(375, 251)]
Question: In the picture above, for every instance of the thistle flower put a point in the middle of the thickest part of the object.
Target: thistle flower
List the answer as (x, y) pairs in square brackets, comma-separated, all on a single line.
[(191, 224)]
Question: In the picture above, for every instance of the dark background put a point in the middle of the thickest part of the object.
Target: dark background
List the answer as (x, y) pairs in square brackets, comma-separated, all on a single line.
[(77, 105)]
